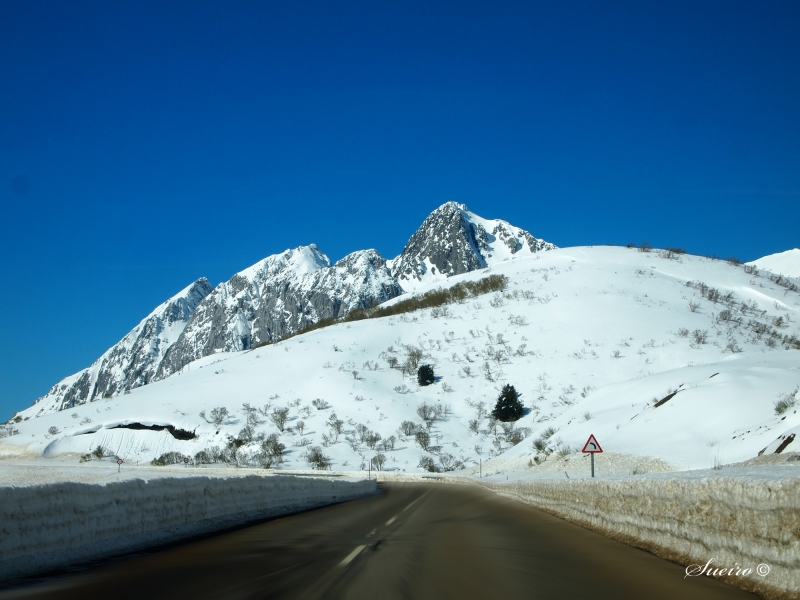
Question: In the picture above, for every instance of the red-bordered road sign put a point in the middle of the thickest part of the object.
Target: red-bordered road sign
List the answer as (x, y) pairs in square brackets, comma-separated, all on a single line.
[(186, 460), (119, 461), (591, 446)]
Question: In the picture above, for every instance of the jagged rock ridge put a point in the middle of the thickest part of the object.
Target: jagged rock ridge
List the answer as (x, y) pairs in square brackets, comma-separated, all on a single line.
[(281, 294), (452, 240), (131, 362)]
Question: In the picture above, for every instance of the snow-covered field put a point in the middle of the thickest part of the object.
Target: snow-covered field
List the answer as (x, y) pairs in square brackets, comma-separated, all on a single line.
[(591, 337)]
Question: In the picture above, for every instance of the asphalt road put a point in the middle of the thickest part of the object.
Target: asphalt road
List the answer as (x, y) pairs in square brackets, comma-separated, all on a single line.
[(411, 541)]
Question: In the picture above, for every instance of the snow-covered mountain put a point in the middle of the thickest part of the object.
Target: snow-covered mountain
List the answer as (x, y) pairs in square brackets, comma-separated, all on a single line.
[(283, 294), (279, 295), (453, 240), (783, 263), (671, 361), (131, 362)]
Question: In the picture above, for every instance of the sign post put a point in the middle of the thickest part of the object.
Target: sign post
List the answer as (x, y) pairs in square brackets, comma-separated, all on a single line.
[(186, 460), (119, 464), (592, 447)]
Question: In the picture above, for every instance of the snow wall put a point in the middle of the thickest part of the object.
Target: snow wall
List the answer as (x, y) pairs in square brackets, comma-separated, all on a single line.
[(46, 527), (737, 521)]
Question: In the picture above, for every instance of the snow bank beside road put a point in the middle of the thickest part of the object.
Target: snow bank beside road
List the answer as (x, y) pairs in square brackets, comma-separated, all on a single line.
[(49, 526), (736, 521)]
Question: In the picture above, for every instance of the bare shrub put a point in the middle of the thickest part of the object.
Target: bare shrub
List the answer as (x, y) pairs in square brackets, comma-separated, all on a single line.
[(379, 460), (427, 463), (317, 458), (423, 438), (216, 417), (279, 416), (786, 400), (409, 428)]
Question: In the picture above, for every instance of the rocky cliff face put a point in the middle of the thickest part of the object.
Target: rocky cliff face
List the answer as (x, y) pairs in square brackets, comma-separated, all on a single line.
[(280, 295), (133, 361), (453, 240), (283, 294)]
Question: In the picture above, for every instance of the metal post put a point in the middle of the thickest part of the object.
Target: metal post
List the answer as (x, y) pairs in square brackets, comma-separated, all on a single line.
[(480, 467), (592, 464)]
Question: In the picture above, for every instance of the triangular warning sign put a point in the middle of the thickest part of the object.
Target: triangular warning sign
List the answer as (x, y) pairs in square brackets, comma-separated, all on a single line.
[(591, 445)]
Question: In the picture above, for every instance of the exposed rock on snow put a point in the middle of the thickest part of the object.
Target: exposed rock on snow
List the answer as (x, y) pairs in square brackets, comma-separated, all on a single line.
[(133, 361), (452, 240), (280, 295)]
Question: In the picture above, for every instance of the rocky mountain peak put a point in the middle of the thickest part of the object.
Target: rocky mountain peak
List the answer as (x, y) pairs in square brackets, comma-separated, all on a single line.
[(452, 240)]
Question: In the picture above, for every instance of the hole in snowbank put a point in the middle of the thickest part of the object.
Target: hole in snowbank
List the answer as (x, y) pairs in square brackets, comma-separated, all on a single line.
[(178, 434)]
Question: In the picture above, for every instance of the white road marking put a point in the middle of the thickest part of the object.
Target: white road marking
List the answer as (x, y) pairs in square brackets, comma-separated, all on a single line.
[(352, 555), (415, 501), (390, 521), (371, 533)]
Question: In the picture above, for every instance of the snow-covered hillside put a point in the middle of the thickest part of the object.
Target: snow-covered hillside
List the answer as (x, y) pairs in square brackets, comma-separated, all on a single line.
[(681, 358), (783, 263), (283, 294)]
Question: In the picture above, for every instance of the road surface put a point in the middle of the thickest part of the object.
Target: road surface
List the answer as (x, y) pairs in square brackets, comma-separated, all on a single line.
[(411, 541)]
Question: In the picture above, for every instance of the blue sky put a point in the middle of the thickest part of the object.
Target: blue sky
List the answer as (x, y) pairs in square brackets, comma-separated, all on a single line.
[(146, 144)]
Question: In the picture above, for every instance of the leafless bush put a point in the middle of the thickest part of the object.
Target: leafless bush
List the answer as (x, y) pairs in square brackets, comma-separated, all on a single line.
[(409, 428), (449, 462), (320, 404), (279, 416), (217, 415), (427, 413), (423, 438), (317, 458), (7, 431), (426, 462), (786, 400), (372, 439), (379, 460)]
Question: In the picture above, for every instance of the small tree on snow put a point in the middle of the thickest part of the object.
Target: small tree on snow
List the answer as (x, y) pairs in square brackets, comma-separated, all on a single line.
[(508, 406), (425, 375)]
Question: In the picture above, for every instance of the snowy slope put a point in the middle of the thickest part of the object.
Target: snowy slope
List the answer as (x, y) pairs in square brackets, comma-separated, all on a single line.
[(783, 263), (130, 363), (590, 337), (452, 240), (282, 294)]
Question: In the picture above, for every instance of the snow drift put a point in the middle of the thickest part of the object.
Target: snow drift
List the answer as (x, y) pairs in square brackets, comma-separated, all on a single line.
[(49, 526), (744, 521)]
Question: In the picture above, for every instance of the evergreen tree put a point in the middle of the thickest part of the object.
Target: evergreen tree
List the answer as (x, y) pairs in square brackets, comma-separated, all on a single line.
[(425, 375), (508, 407)]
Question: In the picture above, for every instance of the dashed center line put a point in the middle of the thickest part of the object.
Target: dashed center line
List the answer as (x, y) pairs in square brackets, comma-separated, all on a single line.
[(371, 533), (352, 555), (415, 501), (390, 521)]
